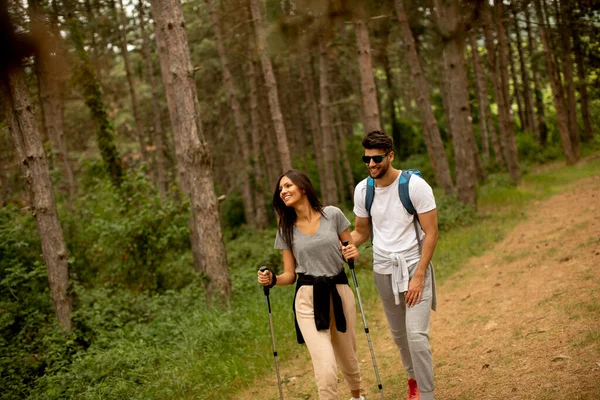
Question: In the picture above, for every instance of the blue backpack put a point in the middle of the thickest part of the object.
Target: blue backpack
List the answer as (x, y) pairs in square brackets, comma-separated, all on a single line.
[(405, 176)]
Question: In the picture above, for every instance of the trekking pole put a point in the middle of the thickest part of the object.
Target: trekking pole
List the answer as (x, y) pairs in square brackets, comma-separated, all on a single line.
[(266, 290), (362, 313)]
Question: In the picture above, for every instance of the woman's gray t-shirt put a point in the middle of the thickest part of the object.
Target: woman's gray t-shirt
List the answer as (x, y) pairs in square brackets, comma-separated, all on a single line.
[(319, 254)]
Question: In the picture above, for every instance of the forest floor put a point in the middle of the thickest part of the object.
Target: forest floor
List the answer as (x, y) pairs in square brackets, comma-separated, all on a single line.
[(522, 321)]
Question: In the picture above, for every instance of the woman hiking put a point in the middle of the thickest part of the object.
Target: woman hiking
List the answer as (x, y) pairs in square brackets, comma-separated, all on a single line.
[(309, 237)]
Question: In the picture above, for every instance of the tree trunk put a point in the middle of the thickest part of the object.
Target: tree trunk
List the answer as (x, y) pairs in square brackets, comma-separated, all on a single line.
[(244, 167), (51, 68), (329, 189), (559, 101), (391, 94), (588, 131), (271, 84), (197, 159), (539, 99), (94, 100), (508, 134), (505, 121), (259, 176), (156, 111), (313, 114), (92, 28), (367, 81), (139, 126), (167, 77), (569, 86), (22, 124), (459, 122), (344, 156), (516, 84), (485, 119), (527, 98), (433, 139), (451, 23)]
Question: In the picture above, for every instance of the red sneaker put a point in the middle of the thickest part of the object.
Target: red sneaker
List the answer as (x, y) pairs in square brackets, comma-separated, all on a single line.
[(413, 390)]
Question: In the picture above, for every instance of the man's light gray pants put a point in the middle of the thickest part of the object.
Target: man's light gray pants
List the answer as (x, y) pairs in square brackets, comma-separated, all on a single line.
[(410, 330)]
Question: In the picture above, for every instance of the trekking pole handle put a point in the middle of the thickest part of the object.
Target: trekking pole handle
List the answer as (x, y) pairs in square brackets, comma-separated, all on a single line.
[(350, 261), (266, 289)]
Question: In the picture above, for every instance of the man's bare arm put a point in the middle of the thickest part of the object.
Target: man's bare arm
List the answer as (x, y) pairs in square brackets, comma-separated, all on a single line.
[(362, 230)]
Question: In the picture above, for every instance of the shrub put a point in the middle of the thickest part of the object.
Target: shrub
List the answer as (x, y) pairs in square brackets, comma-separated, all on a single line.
[(127, 236), (451, 212)]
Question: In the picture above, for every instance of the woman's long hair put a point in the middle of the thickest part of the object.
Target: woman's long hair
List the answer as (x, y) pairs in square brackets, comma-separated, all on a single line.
[(287, 215)]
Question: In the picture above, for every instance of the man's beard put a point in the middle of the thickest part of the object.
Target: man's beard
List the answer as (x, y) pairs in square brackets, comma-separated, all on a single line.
[(382, 171)]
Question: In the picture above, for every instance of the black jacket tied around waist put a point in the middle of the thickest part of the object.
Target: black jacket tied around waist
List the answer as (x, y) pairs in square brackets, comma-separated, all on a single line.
[(324, 289)]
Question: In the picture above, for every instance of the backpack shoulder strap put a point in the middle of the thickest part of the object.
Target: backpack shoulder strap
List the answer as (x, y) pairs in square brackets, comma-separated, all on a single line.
[(403, 190), (406, 201), (370, 194)]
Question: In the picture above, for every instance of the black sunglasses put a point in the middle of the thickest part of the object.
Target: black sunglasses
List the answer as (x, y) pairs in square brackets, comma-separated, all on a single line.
[(377, 159)]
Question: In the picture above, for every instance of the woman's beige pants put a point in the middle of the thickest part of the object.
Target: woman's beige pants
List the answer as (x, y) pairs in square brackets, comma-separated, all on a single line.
[(327, 346)]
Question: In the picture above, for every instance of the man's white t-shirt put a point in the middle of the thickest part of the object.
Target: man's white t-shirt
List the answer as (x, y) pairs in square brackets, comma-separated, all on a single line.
[(393, 230)]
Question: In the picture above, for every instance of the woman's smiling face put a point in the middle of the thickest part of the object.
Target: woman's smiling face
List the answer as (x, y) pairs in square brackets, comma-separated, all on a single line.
[(289, 192)]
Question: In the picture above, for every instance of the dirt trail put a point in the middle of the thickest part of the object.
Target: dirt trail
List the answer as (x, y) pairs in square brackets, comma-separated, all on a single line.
[(520, 322)]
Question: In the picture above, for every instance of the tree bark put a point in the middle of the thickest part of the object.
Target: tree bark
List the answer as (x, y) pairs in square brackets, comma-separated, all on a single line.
[(485, 118), (449, 18), (527, 98), (313, 113), (271, 84), (344, 156), (22, 123), (167, 77), (197, 160), (584, 98), (259, 176), (329, 189), (241, 133), (508, 134), (92, 28), (367, 81), (567, 64), (94, 100), (156, 111), (447, 99), (500, 80), (539, 100), (51, 69), (559, 101), (139, 125), (433, 139), (396, 130), (516, 84)]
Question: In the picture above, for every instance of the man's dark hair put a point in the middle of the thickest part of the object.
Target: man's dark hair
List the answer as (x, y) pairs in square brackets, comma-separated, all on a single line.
[(287, 215), (378, 140)]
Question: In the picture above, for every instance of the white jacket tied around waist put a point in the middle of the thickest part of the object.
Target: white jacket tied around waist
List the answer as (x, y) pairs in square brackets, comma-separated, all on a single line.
[(397, 265)]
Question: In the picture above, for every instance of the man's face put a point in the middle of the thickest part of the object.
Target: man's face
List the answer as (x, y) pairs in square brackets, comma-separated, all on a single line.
[(378, 169)]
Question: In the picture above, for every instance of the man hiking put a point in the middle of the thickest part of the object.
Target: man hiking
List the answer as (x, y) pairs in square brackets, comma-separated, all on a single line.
[(402, 268)]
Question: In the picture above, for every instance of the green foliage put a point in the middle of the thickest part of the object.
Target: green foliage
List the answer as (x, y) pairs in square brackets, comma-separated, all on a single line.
[(27, 327), (232, 211), (127, 236), (420, 162), (171, 345), (533, 152), (249, 251), (452, 213)]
